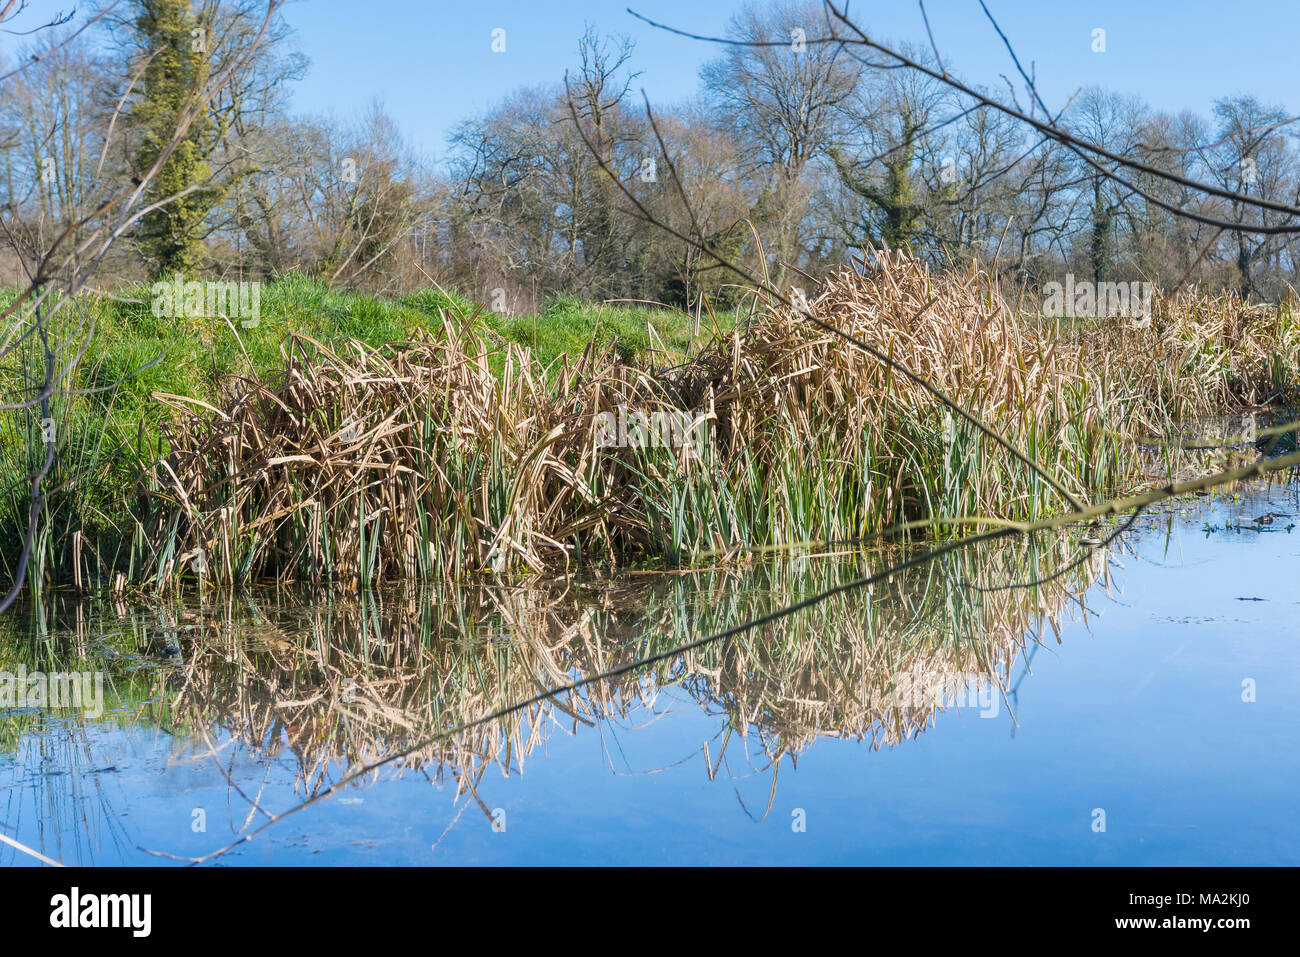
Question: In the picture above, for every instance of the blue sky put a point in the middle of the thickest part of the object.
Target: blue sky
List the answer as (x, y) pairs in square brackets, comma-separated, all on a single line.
[(431, 62)]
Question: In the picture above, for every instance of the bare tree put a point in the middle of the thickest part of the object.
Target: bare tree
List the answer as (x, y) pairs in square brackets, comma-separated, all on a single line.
[(44, 336), (779, 95)]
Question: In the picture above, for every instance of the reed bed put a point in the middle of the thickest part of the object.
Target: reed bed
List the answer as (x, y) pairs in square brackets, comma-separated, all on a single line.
[(414, 460), (442, 456)]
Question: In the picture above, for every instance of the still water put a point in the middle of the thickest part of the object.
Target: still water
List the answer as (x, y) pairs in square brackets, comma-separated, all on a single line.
[(1138, 706)]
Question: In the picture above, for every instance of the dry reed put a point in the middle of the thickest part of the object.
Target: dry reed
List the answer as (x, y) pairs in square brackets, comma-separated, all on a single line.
[(434, 458)]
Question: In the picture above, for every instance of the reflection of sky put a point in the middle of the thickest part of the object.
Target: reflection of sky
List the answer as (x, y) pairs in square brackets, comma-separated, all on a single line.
[(1140, 714)]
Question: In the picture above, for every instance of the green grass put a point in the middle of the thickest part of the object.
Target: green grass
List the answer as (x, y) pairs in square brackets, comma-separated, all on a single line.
[(567, 325), (197, 357)]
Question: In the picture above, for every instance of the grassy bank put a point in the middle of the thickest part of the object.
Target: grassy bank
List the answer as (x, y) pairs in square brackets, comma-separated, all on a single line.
[(108, 440), (354, 440), (200, 356)]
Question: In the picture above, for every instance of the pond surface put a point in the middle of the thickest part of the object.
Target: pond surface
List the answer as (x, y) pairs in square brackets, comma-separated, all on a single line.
[(1138, 706)]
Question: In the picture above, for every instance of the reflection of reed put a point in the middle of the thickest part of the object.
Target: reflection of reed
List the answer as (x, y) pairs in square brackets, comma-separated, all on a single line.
[(877, 666), (344, 683)]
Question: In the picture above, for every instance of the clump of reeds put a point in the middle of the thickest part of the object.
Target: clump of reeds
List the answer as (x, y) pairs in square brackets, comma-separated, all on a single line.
[(848, 446), (415, 460), (435, 457)]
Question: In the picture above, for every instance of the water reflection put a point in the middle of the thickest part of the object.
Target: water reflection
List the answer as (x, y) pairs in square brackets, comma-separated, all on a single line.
[(260, 687)]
